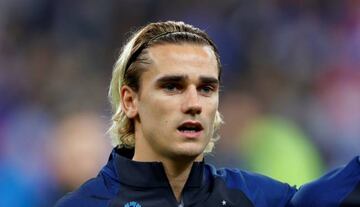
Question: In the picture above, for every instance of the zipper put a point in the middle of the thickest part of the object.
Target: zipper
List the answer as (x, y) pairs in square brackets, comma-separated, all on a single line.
[(181, 204)]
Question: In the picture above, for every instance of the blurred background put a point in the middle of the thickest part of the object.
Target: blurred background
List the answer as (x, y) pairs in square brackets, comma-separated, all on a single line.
[(290, 87)]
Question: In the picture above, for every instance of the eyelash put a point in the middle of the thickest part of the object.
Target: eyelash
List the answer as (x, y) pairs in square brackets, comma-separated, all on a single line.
[(208, 88), (177, 88), (172, 87)]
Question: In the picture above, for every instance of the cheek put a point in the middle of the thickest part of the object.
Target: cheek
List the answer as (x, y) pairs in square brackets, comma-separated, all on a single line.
[(211, 106), (210, 109), (156, 109)]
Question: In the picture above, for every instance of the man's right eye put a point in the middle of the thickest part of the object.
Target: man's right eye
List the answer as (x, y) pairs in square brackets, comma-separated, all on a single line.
[(171, 87)]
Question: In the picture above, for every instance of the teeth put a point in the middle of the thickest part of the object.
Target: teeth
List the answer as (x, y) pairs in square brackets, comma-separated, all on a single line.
[(189, 131), (189, 128)]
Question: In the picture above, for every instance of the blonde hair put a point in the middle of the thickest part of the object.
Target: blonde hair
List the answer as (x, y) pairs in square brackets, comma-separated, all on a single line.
[(127, 71)]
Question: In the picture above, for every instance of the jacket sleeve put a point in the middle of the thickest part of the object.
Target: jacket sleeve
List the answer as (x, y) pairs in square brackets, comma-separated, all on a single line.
[(338, 187)]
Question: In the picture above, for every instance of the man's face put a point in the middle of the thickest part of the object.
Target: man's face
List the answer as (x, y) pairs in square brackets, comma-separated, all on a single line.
[(176, 103)]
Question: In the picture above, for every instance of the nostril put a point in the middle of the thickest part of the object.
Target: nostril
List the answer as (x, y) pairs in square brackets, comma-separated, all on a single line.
[(194, 110)]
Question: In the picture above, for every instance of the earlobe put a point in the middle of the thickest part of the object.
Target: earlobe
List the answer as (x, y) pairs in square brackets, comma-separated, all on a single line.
[(129, 101)]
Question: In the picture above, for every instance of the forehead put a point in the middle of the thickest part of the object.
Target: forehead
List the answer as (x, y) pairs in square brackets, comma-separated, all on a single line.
[(183, 59)]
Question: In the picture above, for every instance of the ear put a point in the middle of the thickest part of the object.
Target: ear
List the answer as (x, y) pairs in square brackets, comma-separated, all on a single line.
[(129, 101)]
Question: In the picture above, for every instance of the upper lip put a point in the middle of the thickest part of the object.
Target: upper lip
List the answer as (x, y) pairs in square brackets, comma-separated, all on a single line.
[(196, 124)]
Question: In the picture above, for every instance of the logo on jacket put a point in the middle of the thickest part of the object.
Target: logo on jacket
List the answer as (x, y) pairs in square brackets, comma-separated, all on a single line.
[(132, 204)]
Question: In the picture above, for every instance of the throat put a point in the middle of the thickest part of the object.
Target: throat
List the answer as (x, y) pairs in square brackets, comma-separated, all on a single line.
[(177, 188), (177, 176)]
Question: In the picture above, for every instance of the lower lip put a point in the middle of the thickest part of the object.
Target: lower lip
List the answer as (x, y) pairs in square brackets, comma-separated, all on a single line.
[(189, 134)]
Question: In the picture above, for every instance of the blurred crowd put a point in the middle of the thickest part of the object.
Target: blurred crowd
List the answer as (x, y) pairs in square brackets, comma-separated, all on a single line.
[(290, 91)]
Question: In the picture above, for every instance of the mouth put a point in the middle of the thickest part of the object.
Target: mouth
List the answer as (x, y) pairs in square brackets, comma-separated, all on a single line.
[(190, 129)]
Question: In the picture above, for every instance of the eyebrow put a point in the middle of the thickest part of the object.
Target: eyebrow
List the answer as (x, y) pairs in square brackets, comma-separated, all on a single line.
[(209, 80), (171, 78), (182, 78)]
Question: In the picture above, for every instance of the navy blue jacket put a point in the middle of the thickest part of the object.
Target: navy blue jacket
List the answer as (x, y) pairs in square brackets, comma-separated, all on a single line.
[(126, 183), (340, 187)]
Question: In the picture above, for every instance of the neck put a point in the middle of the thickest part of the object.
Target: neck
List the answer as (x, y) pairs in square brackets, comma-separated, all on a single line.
[(177, 174), (177, 170)]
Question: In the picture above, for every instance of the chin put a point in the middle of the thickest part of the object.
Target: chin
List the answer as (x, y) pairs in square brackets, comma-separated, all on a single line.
[(190, 152)]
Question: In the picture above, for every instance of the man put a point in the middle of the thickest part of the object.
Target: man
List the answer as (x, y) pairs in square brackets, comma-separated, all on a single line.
[(165, 94), (340, 187)]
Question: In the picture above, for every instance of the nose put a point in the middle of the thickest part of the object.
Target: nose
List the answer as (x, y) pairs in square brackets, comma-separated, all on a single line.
[(191, 104)]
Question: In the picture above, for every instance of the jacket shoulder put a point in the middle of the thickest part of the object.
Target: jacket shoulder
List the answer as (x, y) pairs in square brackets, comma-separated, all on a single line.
[(258, 188), (336, 187), (96, 192)]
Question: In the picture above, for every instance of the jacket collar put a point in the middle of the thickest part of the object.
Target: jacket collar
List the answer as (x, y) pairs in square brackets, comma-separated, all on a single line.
[(147, 174)]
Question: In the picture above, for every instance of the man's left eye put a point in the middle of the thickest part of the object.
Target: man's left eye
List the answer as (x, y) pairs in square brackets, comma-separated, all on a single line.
[(206, 89)]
